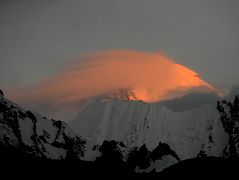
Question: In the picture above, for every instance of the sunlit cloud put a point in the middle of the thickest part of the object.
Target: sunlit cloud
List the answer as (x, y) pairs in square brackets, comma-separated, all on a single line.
[(151, 76)]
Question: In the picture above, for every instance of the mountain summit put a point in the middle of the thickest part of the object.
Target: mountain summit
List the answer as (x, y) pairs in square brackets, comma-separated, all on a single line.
[(120, 94)]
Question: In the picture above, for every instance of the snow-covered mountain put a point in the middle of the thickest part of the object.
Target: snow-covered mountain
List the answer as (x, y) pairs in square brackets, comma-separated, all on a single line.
[(144, 136), (32, 134), (136, 123)]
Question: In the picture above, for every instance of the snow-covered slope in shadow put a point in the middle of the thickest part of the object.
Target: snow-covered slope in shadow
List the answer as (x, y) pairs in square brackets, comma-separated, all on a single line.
[(35, 135), (136, 123)]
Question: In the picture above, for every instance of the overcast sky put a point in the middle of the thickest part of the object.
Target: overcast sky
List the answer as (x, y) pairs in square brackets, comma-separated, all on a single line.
[(37, 37)]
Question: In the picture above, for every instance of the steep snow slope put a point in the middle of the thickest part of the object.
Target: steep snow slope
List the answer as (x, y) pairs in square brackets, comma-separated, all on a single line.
[(36, 135), (135, 123)]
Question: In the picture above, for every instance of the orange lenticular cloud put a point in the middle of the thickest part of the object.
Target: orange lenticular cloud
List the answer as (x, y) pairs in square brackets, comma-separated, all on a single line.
[(151, 76)]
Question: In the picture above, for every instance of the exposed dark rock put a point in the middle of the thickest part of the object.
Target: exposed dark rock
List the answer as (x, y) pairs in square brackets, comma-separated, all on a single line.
[(1, 93), (161, 150), (229, 115)]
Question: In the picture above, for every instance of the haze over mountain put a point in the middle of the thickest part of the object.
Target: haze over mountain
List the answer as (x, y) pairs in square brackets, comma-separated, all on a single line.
[(152, 77)]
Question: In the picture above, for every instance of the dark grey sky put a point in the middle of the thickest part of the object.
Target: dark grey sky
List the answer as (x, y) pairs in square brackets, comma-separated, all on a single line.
[(38, 36)]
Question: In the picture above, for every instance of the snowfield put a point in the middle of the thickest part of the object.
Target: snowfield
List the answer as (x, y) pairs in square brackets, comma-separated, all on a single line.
[(136, 123)]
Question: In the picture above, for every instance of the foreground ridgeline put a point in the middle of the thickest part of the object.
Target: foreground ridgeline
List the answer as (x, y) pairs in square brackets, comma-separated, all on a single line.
[(28, 134), (47, 144)]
